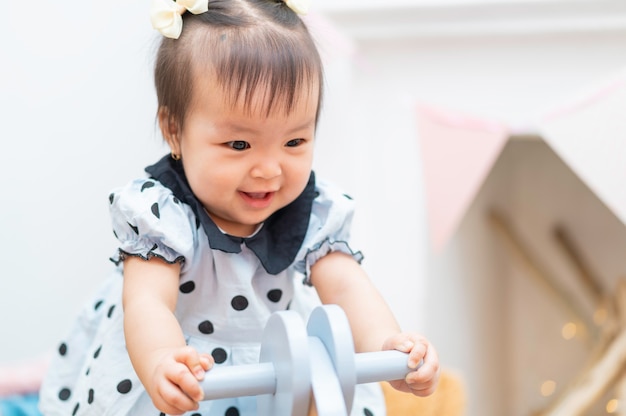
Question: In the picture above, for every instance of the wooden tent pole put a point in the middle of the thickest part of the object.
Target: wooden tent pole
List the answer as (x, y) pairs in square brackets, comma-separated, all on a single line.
[(550, 284), (588, 280), (609, 368)]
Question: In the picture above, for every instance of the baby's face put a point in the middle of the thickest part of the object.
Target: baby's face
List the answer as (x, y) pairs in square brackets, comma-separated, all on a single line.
[(242, 164)]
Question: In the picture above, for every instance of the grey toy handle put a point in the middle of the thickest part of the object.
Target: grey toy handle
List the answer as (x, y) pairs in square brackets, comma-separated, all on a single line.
[(257, 379), (296, 361)]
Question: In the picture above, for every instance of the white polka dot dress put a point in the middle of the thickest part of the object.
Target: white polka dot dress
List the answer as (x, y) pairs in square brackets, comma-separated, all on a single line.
[(228, 289)]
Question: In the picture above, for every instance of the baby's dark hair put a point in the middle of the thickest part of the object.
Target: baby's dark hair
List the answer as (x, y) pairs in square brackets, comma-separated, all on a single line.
[(250, 46)]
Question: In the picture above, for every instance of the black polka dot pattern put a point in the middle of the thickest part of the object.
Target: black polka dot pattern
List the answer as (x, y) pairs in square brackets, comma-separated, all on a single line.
[(239, 303), (187, 287), (111, 198), (132, 227), (232, 411), (155, 210), (64, 394), (147, 185), (206, 327), (367, 412), (90, 396), (219, 355), (275, 295), (124, 386)]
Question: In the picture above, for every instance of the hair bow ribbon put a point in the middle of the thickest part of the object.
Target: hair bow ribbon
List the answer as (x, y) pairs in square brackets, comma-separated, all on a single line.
[(166, 15), (299, 6)]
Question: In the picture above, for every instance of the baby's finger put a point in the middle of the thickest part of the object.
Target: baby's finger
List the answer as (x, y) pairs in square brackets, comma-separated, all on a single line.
[(423, 381), (187, 382), (191, 358), (401, 342), (171, 400), (418, 353), (431, 360), (422, 390), (413, 344), (207, 361)]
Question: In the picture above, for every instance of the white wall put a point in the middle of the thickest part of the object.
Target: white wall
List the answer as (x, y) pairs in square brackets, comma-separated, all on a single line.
[(78, 113)]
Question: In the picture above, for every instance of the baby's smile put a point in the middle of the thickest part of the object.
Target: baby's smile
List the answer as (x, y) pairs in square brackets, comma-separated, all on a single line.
[(258, 199), (258, 195)]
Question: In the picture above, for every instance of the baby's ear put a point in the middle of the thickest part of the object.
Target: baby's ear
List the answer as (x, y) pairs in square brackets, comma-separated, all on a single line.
[(169, 129)]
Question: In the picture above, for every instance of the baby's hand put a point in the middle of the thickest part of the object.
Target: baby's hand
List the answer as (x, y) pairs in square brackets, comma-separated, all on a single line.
[(423, 381), (175, 383)]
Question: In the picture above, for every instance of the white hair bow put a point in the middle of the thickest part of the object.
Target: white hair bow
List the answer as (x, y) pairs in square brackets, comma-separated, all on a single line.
[(298, 6), (166, 15)]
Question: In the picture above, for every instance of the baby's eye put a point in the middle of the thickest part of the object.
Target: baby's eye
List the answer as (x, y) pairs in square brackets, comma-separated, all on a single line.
[(238, 145), (294, 142)]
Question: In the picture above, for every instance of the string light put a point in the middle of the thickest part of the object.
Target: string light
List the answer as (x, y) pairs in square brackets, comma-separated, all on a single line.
[(548, 388), (600, 315), (612, 406), (569, 331)]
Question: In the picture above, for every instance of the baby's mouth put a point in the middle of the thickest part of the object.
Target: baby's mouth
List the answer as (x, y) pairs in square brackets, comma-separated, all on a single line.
[(258, 195), (258, 199)]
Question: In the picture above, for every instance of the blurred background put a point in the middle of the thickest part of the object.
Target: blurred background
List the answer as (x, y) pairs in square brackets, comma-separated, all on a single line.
[(520, 293)]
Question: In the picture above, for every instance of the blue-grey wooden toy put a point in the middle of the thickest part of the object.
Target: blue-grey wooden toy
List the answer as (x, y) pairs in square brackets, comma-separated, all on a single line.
[(296, 362)]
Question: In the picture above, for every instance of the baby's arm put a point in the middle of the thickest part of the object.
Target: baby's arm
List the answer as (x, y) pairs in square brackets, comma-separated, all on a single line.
[(168, 369), (340, 280)]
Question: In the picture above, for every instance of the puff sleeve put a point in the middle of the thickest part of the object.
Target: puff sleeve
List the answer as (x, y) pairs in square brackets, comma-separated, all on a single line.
[(149, 221), (329, 229)]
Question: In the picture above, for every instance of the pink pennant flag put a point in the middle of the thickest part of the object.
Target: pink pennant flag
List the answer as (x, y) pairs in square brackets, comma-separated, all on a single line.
[(458, 151), (589, 134)]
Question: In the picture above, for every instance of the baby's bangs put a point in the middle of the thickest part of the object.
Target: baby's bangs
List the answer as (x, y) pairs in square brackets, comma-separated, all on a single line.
[(280, 69)]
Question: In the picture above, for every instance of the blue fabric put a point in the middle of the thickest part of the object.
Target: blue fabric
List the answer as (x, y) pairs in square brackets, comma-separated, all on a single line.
[(20, 406)]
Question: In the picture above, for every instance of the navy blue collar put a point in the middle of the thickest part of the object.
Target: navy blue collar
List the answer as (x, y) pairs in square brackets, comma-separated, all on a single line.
[(277, 242)]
